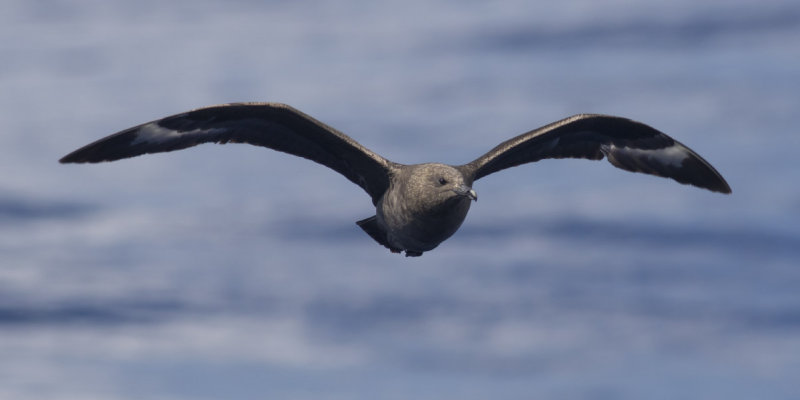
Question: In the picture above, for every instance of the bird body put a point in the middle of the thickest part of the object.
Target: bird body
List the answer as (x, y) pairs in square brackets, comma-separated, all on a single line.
[(417, 206), (424, 205)]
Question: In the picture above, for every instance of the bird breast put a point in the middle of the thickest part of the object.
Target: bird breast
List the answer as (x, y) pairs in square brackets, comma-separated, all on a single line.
[(412, 223)]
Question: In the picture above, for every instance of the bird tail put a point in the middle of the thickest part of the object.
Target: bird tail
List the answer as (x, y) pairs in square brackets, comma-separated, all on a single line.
[(371, 227)]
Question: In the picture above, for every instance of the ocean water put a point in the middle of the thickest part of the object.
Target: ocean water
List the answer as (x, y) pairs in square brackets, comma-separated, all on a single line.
[(236, 272)]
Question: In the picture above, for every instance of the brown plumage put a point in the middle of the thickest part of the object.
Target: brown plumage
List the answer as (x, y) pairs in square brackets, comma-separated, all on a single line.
[(417, 206)]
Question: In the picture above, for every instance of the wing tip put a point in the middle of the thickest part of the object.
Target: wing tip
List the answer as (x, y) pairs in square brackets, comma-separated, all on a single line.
[(707, 176), (83, 156), (721, 187), (72, 158)]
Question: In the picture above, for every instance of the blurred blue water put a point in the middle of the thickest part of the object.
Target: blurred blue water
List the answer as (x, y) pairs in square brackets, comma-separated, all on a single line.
[(211, 273)]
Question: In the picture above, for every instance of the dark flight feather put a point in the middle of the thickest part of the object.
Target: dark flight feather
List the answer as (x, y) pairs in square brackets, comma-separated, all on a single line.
[(276, 126), (417, 206), (627, 144)]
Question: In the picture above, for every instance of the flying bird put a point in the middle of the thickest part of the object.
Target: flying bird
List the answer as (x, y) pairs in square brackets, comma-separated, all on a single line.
[(417, 206)]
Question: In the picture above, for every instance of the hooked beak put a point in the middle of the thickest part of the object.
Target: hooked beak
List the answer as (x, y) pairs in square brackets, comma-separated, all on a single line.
[(466, 191)]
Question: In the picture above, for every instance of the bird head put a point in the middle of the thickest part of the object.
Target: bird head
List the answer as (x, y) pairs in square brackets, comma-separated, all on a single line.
[(439, 184)]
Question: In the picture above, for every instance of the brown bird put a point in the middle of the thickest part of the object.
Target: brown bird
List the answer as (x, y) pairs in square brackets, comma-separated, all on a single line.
[(417, 206)]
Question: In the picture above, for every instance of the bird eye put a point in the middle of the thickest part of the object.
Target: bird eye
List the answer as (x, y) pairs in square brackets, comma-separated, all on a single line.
[(442, 181)]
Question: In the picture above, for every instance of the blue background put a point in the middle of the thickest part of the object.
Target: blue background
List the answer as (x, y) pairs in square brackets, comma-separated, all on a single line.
[(215, 272)]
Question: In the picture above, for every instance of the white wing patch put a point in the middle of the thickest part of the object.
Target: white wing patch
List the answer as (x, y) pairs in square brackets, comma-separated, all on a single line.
[(673, 155), (154, 133)]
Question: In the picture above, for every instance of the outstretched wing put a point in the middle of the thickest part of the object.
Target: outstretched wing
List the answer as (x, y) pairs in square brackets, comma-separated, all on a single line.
[(627, 144), (276, 126)]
